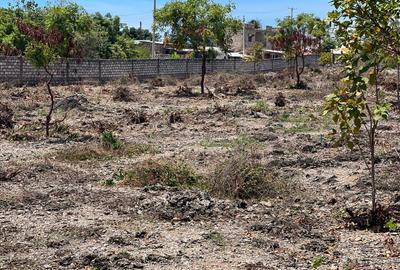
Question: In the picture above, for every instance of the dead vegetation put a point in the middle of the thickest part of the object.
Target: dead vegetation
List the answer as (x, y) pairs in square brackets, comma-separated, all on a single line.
[(123, 94), (110, 147), (6, 117), (243, 176)]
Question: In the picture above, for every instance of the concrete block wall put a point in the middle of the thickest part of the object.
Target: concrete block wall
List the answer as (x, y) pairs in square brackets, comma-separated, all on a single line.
[(19, 70)]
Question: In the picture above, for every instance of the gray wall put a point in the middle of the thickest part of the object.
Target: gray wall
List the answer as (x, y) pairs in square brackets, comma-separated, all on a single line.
[(18, 70)]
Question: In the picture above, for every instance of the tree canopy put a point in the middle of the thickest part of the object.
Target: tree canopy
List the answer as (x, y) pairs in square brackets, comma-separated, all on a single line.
[(198, 24), (84, 34), (297, 37)]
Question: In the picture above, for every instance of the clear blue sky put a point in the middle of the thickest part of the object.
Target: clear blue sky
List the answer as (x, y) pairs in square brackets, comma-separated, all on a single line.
[(134, 11)]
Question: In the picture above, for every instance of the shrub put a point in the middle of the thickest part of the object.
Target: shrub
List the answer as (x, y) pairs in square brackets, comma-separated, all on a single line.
[(261, 106), (116, 177), (325, 58), (136, 116), (169, 173), (317, 262), (280, 100), (184, 91), (122, 94), (6, 115), (157, 82), (244, 87), (392, 226), (300, 85), (242, 176), (175, 117), (110, 141)]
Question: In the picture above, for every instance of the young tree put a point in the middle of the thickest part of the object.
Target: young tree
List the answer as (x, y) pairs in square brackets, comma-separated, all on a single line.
[(366, 29), (45, 46), (296, 37), (198, 24), (255, 53)]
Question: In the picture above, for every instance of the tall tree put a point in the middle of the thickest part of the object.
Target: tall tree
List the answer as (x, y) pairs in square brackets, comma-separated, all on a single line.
[(367, 30), (296, 37), (198, 24)]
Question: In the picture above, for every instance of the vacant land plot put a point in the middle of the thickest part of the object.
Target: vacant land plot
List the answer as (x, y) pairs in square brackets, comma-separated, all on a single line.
[(152, 175)]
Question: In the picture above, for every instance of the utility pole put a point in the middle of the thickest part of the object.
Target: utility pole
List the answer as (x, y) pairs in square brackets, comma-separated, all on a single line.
[(291, 13), (153, 45), (244, 36)]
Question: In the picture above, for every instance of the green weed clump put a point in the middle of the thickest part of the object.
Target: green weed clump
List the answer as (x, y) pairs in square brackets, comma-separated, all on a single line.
[(261, 106), (392, 226), (110, 141), (317, 262), (169, 173)]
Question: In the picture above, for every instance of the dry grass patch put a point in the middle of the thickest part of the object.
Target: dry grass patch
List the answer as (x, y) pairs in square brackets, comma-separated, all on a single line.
[(95, 151), (110, 147), (242, 176)]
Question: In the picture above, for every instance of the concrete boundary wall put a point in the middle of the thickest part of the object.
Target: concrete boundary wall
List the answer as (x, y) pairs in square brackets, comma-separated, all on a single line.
[(19, 70)]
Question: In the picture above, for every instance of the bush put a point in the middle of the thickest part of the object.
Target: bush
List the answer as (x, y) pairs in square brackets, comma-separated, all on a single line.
[(175, 117), (242, 176), (157, 82), (184, 91), (301, 85), (244, 87), (261, 106), (325, 58), (280, 100), (110, 141), (122, 94), (6, 115), (136, 116), (169, 173)]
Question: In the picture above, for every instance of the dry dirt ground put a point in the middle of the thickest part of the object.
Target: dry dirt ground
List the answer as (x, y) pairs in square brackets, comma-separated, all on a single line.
[(64, 208)]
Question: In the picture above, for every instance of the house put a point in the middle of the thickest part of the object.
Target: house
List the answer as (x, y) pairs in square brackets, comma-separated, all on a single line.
[(250, 35), (272, 54), (160, 48)]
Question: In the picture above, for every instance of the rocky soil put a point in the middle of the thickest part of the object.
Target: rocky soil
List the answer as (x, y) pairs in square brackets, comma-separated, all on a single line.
[(57, 212)]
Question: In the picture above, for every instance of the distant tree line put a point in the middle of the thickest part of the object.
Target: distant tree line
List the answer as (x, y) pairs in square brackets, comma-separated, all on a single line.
[(85, 35)]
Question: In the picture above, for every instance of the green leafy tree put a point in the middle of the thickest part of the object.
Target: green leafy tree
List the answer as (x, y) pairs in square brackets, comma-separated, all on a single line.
[(367, 30), (45, 46), (84, 34), (12, 42), (125, 48), (296, 37), (255, 53), (138, 33), (198, 24)]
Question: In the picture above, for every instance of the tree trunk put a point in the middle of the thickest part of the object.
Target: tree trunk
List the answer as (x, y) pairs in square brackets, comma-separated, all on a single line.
[(296, 63), (373, 180), (50, 92), (376, 84), (398, 85), (203, 71)]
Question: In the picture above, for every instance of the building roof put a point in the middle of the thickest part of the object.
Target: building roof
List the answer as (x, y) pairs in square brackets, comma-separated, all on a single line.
[(148, 41), (273, 51)]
